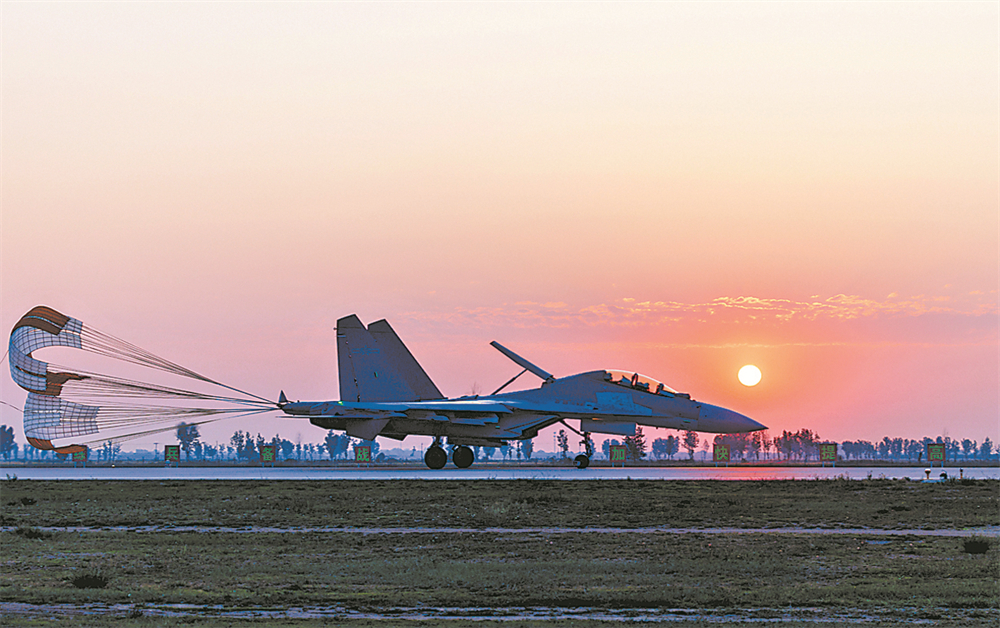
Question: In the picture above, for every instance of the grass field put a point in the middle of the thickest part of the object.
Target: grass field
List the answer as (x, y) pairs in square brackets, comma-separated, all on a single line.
[(907, 577)]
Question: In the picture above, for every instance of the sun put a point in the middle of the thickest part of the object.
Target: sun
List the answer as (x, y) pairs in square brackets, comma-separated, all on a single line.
[(749, 375)]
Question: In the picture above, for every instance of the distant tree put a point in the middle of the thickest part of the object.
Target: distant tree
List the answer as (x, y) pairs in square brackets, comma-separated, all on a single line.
[(488, 452), (635, 446), (332, 442), (505, 451), (527, 447), (187, 435), (690, 443), (659, 448), (563, 441), (243, 447), (109, 451), (673, 446), (287, 448), (986, 449), (7, 442)]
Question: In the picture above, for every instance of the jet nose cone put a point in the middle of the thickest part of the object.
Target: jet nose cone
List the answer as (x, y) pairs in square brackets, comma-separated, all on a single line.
[(724, 421)]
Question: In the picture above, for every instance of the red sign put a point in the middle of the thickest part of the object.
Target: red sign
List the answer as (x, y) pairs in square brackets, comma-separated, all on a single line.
[(828, 452), (935, 452), (267, 453), (720, 453), (363, 454), (617, 454), (172, 453)]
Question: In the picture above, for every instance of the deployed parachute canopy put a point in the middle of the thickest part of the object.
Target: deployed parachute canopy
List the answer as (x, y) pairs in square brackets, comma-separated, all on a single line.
[(74, 404)]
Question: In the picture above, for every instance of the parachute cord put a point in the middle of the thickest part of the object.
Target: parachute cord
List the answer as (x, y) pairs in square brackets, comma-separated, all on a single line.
[(132, 436), (110, 346)]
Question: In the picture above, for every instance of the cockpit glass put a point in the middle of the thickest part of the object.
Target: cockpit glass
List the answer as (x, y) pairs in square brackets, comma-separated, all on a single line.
[(639, 382)]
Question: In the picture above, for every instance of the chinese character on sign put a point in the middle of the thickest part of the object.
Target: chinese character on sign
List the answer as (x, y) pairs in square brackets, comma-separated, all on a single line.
[(720, 453), (935, 452), (828, 452), (80, 456), (172, 453), (363, 454), (617, 454), (267, 454)]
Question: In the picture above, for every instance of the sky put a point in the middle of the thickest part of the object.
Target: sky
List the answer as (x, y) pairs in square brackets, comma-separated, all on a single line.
[(677, 189)]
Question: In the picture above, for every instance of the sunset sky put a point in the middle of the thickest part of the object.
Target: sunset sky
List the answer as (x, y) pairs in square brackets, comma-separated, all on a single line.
[(677, 189)]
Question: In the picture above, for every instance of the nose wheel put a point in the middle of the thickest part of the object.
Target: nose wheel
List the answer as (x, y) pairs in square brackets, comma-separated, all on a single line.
[(582, 461)]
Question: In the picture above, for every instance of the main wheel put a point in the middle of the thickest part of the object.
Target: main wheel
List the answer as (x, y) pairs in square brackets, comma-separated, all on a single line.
[(436, 457), (582, 461), (463, 457)]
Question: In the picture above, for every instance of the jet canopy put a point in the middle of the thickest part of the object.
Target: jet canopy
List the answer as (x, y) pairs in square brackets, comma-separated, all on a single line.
[(639, 381)]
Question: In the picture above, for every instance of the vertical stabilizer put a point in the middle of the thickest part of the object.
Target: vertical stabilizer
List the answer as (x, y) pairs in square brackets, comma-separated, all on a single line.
[(365, 373), (399, 358)]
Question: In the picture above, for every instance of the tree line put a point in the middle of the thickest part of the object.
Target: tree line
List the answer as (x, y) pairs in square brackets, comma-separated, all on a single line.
[(802, 445)]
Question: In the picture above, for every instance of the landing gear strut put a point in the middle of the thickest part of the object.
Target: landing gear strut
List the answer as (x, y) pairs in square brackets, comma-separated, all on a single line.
[(463, 457)]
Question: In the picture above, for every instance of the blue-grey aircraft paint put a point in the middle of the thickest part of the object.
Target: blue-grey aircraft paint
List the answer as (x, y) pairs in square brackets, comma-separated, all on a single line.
[(385, 392)]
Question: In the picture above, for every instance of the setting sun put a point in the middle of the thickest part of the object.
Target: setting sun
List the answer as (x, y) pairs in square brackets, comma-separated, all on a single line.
[(749, 375)]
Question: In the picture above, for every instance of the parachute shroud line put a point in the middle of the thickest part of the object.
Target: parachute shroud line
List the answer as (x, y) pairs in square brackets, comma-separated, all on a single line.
[(75, 404)]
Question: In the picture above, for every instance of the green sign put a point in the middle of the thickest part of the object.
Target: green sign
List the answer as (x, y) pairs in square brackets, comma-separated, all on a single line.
[(80, 456), (618, 454), (267, 453), (935, 452), (172, 453), (363, 454), (720, 453), (828, 452)]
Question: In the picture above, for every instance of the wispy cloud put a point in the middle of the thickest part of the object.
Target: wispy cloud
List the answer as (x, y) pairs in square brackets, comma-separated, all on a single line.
[(628, 312)]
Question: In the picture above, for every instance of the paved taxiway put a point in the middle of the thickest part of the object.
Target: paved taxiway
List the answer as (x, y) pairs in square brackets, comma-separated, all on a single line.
[(489, 473)]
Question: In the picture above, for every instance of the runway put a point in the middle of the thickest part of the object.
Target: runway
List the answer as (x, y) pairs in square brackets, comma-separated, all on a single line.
[(491, 473)]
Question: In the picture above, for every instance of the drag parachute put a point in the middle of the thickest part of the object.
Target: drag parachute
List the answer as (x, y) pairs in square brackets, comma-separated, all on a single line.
[(87, 407)]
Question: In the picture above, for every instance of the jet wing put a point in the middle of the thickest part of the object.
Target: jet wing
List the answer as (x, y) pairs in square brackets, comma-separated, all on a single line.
[(348, 409)]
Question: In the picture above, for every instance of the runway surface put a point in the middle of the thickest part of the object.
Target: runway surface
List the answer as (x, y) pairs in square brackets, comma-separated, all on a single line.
[(489, 473)]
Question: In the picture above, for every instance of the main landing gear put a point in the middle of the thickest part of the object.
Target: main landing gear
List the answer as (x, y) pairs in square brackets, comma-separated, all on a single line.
[(436, 457), (463, 457), (582, 461)]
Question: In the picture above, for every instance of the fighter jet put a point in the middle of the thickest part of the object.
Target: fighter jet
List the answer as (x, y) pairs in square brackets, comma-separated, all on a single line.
[(385, 392)]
